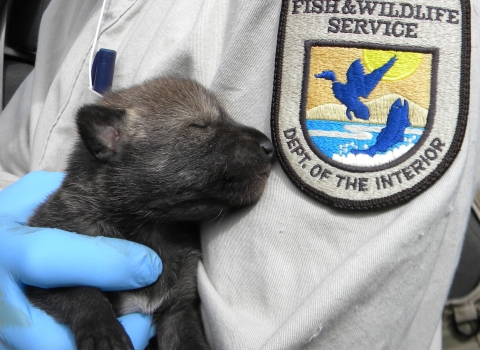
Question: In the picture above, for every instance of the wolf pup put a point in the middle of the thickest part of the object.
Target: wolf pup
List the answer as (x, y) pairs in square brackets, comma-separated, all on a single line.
[(153, 161)]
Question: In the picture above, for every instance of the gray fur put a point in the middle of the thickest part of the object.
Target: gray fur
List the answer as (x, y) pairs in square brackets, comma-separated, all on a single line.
[(153, 160)]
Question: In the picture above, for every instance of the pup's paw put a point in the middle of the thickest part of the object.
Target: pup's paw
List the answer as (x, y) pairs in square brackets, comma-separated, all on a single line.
[(102, 336)]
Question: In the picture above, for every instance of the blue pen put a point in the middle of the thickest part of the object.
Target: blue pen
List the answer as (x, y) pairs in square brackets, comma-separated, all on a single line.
[(102, 70)]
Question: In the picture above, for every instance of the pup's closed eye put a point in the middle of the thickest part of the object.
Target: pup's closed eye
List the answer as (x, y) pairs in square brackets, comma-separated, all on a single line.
[(201, 125)]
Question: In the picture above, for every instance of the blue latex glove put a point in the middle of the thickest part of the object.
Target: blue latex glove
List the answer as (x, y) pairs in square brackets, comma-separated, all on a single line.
[(54, 258)]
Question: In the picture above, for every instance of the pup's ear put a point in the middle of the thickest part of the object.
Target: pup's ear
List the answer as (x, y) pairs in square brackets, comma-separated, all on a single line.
[(100, 129)]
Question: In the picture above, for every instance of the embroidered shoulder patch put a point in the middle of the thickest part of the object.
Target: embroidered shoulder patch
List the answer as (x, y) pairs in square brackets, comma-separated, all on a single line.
[(371, 98)]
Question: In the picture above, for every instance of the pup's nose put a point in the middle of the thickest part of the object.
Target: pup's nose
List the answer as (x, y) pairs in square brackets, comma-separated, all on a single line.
[(267, 147)]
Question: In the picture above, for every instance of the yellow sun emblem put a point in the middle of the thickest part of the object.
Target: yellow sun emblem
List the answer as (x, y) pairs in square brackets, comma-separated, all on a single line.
[(405, 65)]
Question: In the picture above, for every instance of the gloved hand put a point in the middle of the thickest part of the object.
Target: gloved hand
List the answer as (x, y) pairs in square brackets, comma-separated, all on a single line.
[(54, 258)]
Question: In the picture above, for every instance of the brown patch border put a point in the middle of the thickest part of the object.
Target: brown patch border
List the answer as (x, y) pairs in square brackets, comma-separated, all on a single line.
[(402, 196)]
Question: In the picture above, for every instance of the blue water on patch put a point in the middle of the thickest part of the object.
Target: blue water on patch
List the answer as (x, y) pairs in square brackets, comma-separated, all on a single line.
[(342, 144)]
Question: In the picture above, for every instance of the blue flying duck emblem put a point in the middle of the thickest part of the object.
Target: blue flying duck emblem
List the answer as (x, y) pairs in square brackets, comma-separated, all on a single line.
[(358, 85)]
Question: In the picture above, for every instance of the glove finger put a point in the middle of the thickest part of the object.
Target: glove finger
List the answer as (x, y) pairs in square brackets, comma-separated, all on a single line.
[(44, 332), (139, 328), (22, 197), (22, 325), (50, 258)]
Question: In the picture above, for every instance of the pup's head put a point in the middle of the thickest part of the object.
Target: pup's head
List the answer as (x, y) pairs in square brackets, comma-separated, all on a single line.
[(167, 149)]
